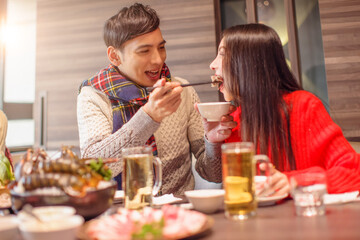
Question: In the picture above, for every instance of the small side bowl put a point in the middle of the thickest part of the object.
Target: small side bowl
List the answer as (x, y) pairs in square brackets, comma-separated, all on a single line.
[(60, 229), (213, 111), (206, 200), (9, 227), (49, 213)]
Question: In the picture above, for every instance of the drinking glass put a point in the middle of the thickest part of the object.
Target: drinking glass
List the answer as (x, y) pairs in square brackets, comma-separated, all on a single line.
[(308, 190), (138, 176), (238, 166)]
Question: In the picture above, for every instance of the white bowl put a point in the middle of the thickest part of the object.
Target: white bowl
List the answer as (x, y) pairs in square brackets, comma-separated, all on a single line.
[(59, 229), (206, 200), (48, 213), (54, 212), (8, 227), (213, 111)]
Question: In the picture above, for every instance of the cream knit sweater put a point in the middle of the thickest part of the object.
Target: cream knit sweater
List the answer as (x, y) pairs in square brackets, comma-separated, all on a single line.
[(177, 137)]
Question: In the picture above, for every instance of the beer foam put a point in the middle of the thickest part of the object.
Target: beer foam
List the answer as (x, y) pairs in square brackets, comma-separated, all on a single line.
[(238, 150)]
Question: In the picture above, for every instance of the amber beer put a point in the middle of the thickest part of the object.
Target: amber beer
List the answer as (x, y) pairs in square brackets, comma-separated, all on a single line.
[(138, 177), (238, 178)]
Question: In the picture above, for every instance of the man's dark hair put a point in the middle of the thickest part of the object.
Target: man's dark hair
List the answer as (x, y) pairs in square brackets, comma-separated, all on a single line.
[(128, 23)]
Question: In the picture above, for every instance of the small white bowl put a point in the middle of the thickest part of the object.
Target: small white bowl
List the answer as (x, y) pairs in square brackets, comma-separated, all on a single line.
[(54, 212), (59, 229), (206, 200), (49, 213), (213, 111), (9, 228)]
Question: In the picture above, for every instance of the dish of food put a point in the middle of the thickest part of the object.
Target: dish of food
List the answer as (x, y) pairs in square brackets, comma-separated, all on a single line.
[(269, 201), (67, 180), (169, 222)]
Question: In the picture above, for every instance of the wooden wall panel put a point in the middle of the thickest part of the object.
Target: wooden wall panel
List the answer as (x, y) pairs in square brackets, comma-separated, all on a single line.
[(340, 22), (70, 49)]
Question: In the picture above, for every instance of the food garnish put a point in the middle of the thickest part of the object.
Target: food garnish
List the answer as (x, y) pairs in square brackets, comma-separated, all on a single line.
[(101, 168)]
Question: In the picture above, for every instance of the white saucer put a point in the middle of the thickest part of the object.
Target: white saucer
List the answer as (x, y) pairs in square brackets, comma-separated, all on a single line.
[(268, 201)]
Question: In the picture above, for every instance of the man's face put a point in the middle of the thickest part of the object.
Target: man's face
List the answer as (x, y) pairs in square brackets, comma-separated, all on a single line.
[(142, 58)]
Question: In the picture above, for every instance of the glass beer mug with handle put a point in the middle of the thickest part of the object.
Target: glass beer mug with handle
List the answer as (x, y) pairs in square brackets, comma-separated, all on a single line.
[(239, 169), (138, 176)]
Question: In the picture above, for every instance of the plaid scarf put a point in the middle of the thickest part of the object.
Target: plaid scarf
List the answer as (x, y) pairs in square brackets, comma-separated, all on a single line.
[(126, 96)]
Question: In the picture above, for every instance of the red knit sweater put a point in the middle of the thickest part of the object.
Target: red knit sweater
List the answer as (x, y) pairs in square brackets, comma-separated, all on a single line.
[(318, 143)]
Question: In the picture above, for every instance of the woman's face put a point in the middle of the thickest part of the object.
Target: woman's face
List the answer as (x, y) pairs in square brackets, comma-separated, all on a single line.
[(216, 65)]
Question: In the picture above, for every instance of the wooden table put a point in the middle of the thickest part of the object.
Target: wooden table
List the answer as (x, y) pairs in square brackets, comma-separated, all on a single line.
[(280, 222)]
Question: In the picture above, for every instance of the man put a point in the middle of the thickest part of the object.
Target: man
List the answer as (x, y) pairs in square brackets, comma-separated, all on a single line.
[(115, 111)]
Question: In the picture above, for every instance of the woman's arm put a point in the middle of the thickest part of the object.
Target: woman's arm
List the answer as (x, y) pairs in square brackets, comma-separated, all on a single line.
[(319, 145)]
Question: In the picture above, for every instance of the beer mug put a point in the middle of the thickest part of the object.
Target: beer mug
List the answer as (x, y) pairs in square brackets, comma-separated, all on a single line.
[(239, 170), (138, 176)]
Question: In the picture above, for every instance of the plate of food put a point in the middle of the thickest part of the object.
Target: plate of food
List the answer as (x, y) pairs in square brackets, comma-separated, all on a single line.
[(67, 180), (169, 222), (269, 201)]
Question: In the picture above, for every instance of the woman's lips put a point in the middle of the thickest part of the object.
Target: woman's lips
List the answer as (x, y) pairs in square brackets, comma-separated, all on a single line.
[(221, 87)]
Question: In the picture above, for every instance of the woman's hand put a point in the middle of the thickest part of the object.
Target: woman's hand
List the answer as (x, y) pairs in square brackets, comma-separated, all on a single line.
[(219, 131), (277, 184)]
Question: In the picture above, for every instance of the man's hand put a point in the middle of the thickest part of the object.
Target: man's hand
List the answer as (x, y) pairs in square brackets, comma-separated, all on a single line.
[(219, 131), (163, 100)]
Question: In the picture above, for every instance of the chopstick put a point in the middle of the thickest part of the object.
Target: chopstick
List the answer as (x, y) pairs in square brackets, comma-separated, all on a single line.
[(150, 89)]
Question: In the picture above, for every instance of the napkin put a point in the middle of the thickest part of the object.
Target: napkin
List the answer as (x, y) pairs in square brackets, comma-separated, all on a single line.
[(341, 197), (165, 199)]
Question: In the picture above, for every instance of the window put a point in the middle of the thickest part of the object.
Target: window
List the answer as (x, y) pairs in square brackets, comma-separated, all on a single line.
[(305, 55), (18, 44)]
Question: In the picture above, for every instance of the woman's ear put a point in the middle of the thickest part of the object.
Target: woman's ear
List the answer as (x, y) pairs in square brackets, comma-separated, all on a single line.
[(113, 56)]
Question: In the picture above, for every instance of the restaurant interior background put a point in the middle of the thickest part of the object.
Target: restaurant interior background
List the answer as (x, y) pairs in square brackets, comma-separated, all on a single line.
[(48, 47)]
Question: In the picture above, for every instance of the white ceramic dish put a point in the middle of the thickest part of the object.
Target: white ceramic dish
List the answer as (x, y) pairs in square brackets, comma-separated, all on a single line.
[(206, 200), (54, 212), (269, 201), (8, 228), (48, 213), (59, 229), (213, 111)]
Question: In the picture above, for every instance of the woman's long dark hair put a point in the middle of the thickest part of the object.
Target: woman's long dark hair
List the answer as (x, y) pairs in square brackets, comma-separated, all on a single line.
[(257, 76)]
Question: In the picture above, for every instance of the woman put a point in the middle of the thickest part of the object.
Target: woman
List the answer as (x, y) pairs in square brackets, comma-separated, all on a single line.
[(3, 131), (288, 124)]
